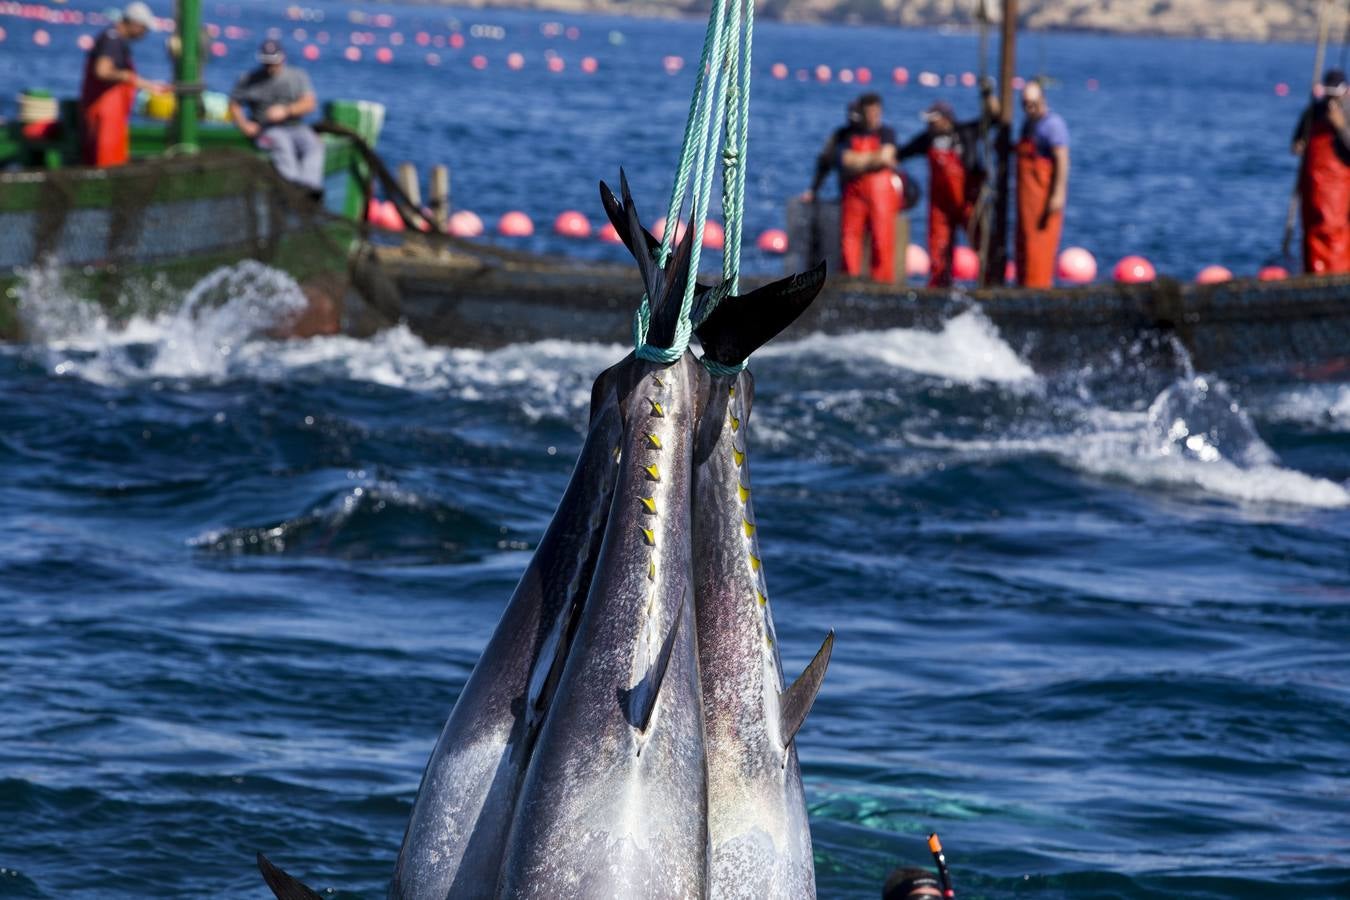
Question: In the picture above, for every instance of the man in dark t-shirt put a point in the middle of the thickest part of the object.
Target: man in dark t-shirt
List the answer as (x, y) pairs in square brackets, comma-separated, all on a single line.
[(1322, 142), (109, 88), (269, 105), (868, 200)]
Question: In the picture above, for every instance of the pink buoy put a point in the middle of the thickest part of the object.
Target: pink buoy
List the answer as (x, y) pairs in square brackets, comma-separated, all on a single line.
[(672, 64), (608, 234), (900, 75), (714, 237), (42, 38), (1134, 270), (1093, 84), (556, 64), (823, 73), (1213, 275), (1018, 83), (590, 65), (845, 76), (968, 79), (383, 214), (779, 71), (572, 224), (573, 32), (433, 59), (457, 41), (422, 39), (659, 229), (464, 224), (311, 52), (775, 240), (1281, 90), (1010, 272), (384, 55), (965, 264), (1273, 273), (863, 74), (396, 39), (1076, 266), (479, 62), (515, 224), (515, 61), (352, 54), (85, 42), (917, 262)]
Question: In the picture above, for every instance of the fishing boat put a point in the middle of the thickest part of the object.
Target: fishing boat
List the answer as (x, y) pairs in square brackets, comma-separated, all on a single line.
[(196, 196)]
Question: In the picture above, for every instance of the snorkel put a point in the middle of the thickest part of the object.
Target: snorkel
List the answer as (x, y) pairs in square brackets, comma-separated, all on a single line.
[(935, 846)]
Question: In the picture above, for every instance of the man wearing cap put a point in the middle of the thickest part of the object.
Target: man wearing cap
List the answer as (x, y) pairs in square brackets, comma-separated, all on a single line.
[(868, 201), (1042, 188), (109, 89), (268, 105), (956, 174), (1322, 140)]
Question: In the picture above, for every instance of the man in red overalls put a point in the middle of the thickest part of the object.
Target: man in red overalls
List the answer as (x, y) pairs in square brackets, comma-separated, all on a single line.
[(868, 198), (1042, 188), (109, 90), (954, 180), (1323, 141)]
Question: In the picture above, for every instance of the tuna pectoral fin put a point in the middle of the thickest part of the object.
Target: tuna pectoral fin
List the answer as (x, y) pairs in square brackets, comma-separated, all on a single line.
[(797, 700), (741, 325), (283, 885), (639, 701)]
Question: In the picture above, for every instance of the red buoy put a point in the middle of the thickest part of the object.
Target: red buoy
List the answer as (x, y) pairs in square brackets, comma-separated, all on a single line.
[(917, 262), (1213, 275), (457, 41), (590, 65), (900, 75), (384, 55), (1134, 270), (608, 235), (1076, 266), (515, 224), (384, 214), (464, 224), (572, 224), (775, 240), (965, 264), (714, 237), (479, 62), (555, 64), (863, 74), (1273, 273)]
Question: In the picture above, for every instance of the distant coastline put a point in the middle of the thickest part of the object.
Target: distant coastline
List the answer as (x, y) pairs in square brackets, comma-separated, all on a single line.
[(1237, 20)]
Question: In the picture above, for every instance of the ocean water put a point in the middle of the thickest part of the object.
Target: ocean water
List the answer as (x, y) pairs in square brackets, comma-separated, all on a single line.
[(1091, 626)]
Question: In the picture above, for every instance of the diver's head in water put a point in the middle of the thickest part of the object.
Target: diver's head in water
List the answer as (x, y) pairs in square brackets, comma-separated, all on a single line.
[(910, 884)]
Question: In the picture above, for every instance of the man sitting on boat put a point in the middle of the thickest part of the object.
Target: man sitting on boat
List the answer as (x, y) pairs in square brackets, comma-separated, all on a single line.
[(955, 176), (277, 97), (109, 90), (1042, 188), (1322, 139), (868, 200)]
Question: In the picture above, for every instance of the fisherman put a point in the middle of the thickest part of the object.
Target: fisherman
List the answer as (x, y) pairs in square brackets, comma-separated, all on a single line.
[(1322, 140), (955, 177), (868, 199), (1042, 188), (907, 884), (109, 90), (277, 97), (828, 158)]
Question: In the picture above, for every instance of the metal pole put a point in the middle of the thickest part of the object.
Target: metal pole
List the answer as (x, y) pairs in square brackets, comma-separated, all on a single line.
[(1319, 58), (998, 251), (187, 77)]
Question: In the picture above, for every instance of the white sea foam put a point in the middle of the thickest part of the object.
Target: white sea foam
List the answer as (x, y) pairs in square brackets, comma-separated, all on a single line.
[(967, 348), (1322, 405)]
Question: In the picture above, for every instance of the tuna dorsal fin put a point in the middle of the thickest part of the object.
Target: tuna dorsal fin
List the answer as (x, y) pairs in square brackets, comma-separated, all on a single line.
[(640, 701), (283, 885), (796, 701), (741, 325)]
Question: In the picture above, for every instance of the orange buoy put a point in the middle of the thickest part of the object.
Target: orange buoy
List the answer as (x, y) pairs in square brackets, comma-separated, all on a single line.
[(464, 224), (1213, 275), (515, 224), (714, 237), (572, 224), (1273, 273), (1076, 266), (779, 71), (1134, 270), (917, 262), (775, 240), (965, 264), (608, 235)]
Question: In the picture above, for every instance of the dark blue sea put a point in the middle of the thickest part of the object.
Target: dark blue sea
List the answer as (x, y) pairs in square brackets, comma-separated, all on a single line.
[(1092, 626)]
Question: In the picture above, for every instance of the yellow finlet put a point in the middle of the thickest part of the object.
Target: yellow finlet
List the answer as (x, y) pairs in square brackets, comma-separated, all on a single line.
[(653, 472), (738, 456), (656, 409), (659, 382), (749, 527), (755, 563), (731, 391), (649, 504), (763, 600), (654, 442), (744, 493), (651, 570), (735, 423), (649, 536)]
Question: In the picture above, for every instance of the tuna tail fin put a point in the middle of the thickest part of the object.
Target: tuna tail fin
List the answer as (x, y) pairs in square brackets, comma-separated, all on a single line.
[(741, 325), (639, 701), (283, 885), (796, 701), (664, 286), (618, 217)]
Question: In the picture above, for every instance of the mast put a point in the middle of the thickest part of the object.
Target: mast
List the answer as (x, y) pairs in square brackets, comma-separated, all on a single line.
[(998, 247), (188, 73)]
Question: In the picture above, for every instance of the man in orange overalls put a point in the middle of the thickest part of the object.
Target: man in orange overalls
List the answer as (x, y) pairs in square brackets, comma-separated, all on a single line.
[(1042, 188), (868, 198), (1323, 141), (109, 90)]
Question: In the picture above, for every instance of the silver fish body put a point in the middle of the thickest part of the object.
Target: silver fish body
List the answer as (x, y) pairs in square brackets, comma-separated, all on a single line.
[(614, 802)]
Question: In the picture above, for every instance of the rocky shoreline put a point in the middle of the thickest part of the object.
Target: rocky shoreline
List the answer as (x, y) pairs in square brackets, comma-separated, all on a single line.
[(1240, 20)]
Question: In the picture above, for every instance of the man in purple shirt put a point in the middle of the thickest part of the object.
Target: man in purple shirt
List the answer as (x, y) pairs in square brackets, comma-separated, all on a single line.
[(1042, 188)]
